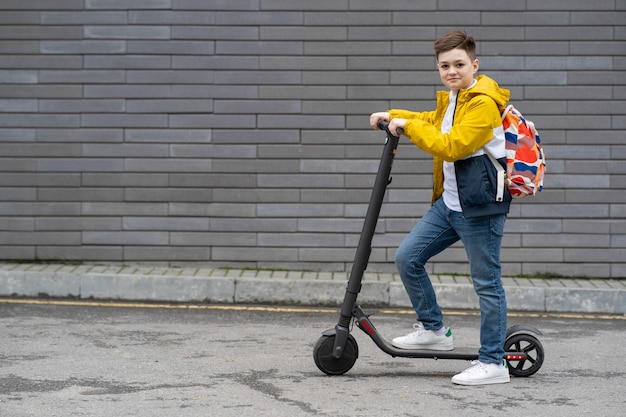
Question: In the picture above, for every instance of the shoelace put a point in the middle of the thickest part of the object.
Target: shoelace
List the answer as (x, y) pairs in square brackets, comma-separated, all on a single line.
[(419, 328)]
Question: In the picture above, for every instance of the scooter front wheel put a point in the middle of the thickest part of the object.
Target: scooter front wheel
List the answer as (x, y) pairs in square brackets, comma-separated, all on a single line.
[(532, 347), (327, 363)]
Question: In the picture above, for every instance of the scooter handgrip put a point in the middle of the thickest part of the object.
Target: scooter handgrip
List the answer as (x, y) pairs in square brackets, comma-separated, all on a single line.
[(384, 125)]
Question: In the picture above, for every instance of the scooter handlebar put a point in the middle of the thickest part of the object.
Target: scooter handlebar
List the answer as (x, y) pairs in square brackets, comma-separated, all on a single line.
[(384, 125)]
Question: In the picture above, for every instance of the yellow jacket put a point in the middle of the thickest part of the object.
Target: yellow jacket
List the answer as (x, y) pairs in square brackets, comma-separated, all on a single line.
[(475, 119)]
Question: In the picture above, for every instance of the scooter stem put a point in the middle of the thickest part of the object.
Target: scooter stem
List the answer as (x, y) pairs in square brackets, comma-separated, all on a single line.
[(364, 249)]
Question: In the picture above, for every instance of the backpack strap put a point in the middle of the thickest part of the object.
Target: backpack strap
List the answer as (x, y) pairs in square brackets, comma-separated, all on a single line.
[(501, 176), (506, 110)]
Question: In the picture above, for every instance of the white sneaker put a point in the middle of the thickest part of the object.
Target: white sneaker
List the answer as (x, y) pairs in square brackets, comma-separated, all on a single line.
[(424, 339), (483, 373)]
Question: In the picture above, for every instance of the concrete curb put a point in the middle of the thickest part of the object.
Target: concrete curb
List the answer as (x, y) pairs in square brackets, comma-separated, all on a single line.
[(297, 288)]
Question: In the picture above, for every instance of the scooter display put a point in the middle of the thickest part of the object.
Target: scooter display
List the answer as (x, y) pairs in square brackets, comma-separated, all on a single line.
[(336, 351)]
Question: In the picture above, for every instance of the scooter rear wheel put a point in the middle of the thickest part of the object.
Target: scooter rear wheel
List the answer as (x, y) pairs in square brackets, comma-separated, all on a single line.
[(323, 355), (530, 345)]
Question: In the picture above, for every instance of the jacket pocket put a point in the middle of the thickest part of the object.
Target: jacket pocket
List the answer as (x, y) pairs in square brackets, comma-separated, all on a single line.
[(477, 182)]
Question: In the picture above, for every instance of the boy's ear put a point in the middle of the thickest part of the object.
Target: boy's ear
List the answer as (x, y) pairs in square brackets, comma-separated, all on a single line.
[(476, 65)]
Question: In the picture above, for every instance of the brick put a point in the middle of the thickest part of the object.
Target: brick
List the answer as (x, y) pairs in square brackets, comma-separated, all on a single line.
[(315, 240), (305, 152), (298, 92), (527, 18), (556, 5), (128, 4), (259, 47), (19, 18), (569, 63), (82, 194), (221, 180), (81, 77), (124, 238), (212, 121), (303, 33), (260, 18), (19, 46), (83, 47), (214, 92), (255, 166), (21, 194), (167, 194), (213, 239), (217, 5), (83, 18), (612, 77), (125, 150), (301, 121), (229, 210), (80, 135), (41, 5), (41, 32), (35, 62), (127, 61), (593, 47), (40, 120), (253, 225), (39, 180), (168, 135), (296, 210), (82, 106), (40, 238), (122, 120), (167, 165), (300, 181), (255, 106), (17, 224), (170, 47), (18, 77), (168, 17), (18, 105), (258, 77), (248, 254), (302, 63), (127, 32), (304, 5), (256, 136), (124, 180), (169, 106), (78, 223), (165, 223), (214, 33), (613, 17), (79, 165), (39, 209)]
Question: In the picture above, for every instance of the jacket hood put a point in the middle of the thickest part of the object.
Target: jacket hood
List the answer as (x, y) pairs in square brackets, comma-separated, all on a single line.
[(488, 86)]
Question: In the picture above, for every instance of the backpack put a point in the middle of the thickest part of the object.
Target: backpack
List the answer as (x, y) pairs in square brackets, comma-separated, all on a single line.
[(525, 160)]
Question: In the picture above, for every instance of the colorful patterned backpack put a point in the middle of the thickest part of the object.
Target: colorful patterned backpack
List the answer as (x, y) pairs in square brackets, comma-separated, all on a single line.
[(525, 160)]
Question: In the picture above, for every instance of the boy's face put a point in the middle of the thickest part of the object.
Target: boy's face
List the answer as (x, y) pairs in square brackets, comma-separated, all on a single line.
[(456, 69)]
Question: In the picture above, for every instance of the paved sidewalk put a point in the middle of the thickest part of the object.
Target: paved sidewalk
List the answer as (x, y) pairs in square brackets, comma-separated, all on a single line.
[(147, 283)]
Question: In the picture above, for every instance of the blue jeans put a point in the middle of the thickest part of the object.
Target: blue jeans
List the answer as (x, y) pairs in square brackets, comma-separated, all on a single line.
[(482, 237)]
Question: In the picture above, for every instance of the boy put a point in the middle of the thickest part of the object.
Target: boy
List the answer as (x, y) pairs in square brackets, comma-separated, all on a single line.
[(460, 134)]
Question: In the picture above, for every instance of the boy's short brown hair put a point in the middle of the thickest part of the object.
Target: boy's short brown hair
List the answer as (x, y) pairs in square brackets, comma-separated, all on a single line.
[(454, 40)]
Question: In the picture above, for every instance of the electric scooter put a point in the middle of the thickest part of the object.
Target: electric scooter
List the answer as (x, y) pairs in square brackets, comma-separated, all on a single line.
[(336, 351)]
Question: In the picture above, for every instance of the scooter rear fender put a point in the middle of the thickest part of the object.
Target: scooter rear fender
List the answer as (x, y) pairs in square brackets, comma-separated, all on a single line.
[(521, 328)]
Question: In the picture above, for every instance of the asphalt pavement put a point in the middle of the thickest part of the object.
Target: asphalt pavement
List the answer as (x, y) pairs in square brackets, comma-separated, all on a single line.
[(244, 286), (101, 359)]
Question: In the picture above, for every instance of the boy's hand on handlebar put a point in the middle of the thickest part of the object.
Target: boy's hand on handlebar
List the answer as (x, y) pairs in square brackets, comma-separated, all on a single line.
[(377, 117), (396, 127)]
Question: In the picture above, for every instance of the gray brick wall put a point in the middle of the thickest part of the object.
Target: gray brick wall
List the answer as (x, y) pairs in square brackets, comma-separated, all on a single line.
[(235, 133)]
